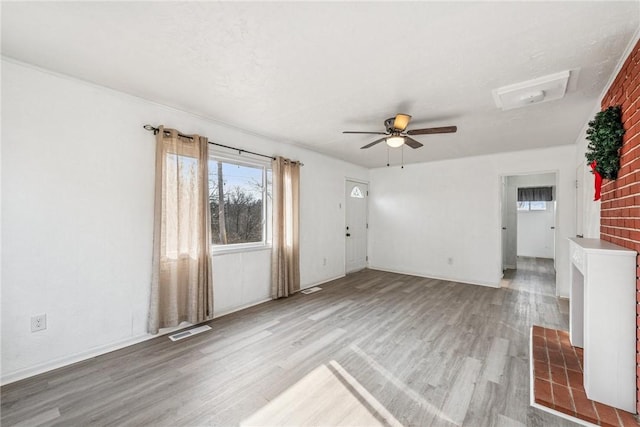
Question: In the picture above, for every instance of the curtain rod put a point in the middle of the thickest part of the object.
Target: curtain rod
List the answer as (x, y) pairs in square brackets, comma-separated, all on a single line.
[(239, 150)]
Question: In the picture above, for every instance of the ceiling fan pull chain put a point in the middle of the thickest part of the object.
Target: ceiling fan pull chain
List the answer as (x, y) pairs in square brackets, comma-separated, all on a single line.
[(402, 157), (387, 156)]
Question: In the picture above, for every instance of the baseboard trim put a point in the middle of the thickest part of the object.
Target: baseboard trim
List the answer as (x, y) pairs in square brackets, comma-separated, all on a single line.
[(61, 362), (448, 279), (242, 307), (322, 282)]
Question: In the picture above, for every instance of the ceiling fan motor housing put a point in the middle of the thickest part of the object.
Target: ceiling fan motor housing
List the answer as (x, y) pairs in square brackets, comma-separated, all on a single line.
[(388, 124)]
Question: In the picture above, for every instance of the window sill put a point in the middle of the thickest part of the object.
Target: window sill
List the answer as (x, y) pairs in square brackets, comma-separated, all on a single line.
[(239, 249)]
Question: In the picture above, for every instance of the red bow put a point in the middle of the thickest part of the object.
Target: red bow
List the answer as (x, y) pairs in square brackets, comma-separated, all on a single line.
[(598, 183)]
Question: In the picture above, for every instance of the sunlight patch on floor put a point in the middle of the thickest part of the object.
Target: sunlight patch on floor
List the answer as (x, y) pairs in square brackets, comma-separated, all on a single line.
[(401, 385), (328, 395)]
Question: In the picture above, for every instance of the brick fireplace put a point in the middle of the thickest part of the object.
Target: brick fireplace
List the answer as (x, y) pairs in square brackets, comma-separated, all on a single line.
[(620, 208)]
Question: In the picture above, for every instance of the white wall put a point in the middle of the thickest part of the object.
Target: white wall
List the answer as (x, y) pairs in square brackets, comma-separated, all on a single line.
[(77, 218), (425, 214)]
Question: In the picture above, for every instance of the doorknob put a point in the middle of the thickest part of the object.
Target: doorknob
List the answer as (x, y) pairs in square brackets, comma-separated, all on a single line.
[(553, 228), (504, 228), (348, 234)]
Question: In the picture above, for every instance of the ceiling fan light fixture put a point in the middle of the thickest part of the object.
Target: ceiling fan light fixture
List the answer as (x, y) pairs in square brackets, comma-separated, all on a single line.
[(395, 141), (401, 121)]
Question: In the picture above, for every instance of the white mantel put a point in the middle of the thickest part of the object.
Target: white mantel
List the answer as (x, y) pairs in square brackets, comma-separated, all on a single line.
[(603, 319)]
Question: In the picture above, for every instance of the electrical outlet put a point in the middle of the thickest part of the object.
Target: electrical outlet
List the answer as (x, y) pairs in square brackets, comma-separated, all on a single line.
[(38, 323)]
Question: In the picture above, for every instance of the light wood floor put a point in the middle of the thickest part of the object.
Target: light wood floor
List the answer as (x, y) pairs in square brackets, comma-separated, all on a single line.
[(373, 348), (532, 275)]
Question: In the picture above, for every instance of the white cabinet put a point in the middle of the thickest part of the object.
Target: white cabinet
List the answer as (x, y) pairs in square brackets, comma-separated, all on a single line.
[(603, 319)]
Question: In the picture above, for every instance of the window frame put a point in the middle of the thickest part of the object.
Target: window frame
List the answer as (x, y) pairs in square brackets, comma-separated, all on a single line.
[(215, 156), (528, 208), (542, 209)]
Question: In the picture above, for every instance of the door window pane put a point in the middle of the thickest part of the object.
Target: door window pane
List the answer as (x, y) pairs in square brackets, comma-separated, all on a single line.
[(357, 193)]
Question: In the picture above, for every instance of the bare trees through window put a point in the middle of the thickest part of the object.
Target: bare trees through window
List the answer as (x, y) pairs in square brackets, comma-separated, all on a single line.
[(237, 194)]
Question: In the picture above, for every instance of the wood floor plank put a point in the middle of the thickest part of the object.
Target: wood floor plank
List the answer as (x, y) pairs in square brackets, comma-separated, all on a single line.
[(496, 359), (503, 421), (372, 348), (328, 311), (312, 348), (40, 419), (400, 386), (461, 391), (237, 337), (223, 351)]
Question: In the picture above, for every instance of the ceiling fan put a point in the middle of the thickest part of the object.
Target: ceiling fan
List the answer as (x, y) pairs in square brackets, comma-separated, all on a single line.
[(395, 135)]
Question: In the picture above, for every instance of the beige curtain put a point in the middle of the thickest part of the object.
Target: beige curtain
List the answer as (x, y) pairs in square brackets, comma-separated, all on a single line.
[(285, 256), (181, 283)]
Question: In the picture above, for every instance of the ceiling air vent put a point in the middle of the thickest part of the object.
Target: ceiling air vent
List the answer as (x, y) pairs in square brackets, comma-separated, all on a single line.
[(536, 91)]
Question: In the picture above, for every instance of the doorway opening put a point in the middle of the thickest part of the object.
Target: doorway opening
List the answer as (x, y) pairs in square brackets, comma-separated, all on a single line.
[(529, 232)]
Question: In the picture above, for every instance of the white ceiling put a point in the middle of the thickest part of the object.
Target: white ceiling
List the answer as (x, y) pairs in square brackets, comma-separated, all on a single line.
[(302, 72)]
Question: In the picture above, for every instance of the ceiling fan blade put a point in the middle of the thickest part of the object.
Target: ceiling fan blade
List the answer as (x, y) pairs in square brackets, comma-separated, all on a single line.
[(401, 121), (430, 131), (367, 133), (371, 144), (412, 142)]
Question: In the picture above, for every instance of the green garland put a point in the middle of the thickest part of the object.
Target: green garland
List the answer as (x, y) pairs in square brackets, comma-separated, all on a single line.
[(605, 136)]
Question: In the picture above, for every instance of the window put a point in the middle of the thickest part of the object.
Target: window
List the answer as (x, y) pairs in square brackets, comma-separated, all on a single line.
[(357, 193), (532, 206), (239, 199)]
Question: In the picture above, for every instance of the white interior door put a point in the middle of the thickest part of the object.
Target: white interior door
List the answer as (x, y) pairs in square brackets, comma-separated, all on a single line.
[(356, 225), (554, 206), (536, 231), (511, 232), (503, 220), (580, 199)]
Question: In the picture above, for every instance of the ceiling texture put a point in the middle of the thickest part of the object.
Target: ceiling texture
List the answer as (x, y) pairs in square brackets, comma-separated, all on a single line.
[(302, 72)]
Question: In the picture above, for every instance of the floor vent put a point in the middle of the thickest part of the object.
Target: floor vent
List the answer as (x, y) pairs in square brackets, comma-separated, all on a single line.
[(184, 334), (311, 290)]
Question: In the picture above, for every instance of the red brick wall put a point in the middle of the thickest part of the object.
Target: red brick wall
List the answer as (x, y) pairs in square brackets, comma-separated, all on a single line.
[(620, 209)]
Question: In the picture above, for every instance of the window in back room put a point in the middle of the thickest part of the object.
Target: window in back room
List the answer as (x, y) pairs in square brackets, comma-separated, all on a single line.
[(532, 206)]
